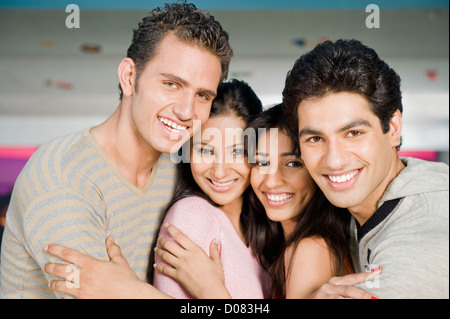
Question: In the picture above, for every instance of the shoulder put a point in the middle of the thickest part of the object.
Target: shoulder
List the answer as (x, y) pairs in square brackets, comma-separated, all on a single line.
[(311, 267), (310, 247), (196, 219), (192, 212)]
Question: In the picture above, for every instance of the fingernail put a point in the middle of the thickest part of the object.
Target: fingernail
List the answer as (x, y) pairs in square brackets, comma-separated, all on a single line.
[(110, 239), (376, 269), (45, 247), (156, 248), (154, 265), (373, 297), (166, 225)]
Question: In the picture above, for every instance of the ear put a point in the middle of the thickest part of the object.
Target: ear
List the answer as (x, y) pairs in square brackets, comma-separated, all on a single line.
[(395, 128), (127, 76)]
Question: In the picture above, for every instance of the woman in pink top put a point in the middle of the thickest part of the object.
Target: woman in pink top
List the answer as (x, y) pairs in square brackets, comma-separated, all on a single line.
[(210, 200)]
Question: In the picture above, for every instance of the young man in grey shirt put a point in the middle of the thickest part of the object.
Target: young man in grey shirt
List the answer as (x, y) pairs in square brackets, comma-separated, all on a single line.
[(346, 104)]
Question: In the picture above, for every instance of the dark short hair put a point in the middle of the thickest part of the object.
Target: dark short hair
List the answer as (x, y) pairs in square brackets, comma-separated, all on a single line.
[(343, 66), (189, 24)]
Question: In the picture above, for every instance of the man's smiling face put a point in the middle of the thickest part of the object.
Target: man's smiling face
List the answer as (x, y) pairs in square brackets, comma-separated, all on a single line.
[(345, 150)]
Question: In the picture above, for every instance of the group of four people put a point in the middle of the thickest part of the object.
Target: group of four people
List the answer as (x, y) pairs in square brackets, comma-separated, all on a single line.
[(314, 204)]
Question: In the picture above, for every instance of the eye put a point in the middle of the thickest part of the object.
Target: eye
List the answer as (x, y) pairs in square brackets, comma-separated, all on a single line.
[(238, 152), (171, 84), (294, 164), (262, 163), (354, 133), (203, 97), (314, 139), (205, 151)]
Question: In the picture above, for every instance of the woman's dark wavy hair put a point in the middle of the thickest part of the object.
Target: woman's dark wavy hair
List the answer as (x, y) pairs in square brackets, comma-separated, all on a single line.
[(320, 219), (189, 24), (234, 97), (343, 66)]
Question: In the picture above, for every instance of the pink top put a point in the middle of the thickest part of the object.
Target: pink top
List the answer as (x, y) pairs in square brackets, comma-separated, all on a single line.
[(202, 223)]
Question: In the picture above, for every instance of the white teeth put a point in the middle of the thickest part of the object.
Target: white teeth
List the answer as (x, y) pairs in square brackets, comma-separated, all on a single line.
[(222, 184), (277, 198), (342, 178), (173, 127)]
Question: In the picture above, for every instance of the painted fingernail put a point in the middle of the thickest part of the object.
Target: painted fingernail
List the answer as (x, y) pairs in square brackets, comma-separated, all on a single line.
[(373, 297), (376, 269)]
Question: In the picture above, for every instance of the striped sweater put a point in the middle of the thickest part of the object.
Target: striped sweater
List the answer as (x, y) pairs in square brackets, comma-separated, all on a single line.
[(70, 193)]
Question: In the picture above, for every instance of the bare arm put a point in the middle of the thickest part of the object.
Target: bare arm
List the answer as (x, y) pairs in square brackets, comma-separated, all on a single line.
[(311, 275), (95, 278), (312, 266)]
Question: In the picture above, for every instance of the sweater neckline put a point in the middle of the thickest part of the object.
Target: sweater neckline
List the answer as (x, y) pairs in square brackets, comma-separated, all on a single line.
[(380, 214)]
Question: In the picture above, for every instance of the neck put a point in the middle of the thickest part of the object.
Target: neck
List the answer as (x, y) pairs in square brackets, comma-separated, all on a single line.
[(125, 148), (365, 210), (288, 227)]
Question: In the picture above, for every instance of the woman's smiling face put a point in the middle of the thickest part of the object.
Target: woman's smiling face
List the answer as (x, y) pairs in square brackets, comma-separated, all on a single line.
[(218, 161), (280, 180)]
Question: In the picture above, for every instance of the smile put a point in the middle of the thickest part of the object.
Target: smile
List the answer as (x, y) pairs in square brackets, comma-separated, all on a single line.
[(342, 178), (223, 184), (172, 126), (279, 197)]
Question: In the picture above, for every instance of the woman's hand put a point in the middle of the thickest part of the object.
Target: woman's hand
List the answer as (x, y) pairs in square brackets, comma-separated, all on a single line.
[(96, 278), (344, 287), (200, 274)]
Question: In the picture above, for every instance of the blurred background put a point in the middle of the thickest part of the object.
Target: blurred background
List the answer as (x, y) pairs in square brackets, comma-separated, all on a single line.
[(58, 67)]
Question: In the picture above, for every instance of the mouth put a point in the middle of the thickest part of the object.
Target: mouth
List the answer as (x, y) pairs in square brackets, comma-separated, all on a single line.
[(278, 199), (343, 178), (171, 126), (222, 186)]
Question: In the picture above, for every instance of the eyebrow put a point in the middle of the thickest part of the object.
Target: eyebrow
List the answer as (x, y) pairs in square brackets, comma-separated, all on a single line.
[(185, 83), (231, 146), (358, 122), (282, 154)]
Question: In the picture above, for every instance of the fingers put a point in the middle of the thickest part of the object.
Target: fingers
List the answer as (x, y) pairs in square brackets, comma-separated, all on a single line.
[(59, 270), (182, 239), (114, 251), (344, 287), (214, 251), (171, 247), (166, 270), (341, 292), (67, 254), (354, 279), (65, 287), (167, 257)]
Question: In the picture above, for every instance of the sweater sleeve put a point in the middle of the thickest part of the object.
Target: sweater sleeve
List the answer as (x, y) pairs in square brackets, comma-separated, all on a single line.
[(197, 219)]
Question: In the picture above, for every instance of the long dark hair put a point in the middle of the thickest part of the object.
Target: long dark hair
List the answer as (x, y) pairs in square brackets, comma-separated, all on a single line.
[(320, 219), (234, 97)]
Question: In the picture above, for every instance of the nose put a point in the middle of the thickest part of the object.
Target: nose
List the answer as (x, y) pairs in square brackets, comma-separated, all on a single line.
[(220, 170), (274, 179), (335, 155), (184, 109)]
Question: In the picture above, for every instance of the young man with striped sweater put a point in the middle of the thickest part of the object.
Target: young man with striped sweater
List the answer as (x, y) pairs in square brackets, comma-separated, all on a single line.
[(114, 179)]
